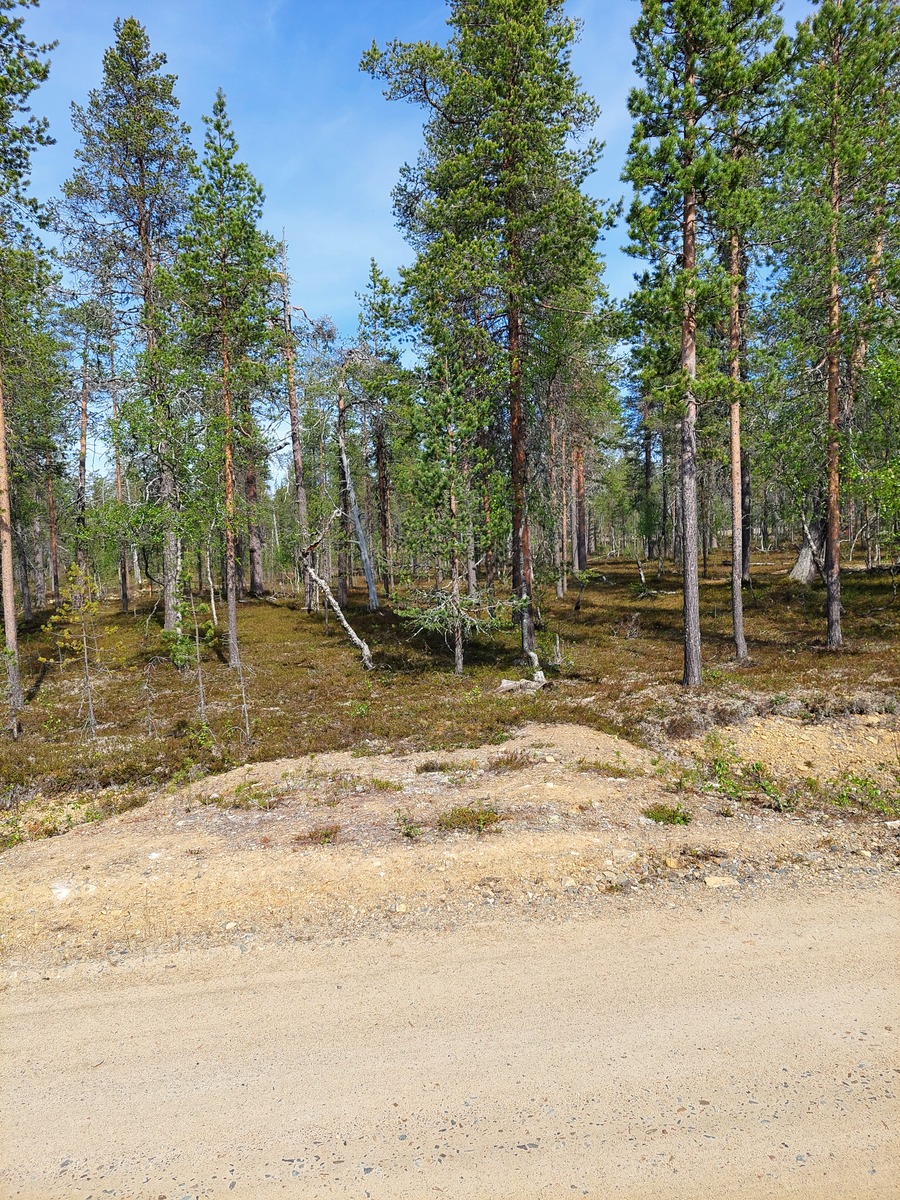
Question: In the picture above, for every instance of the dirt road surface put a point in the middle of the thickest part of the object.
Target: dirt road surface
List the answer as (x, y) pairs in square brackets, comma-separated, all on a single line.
[(724, 1048), (292, 980)]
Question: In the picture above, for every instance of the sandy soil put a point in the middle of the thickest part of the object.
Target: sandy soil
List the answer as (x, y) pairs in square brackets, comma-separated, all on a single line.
[(200, 1001)]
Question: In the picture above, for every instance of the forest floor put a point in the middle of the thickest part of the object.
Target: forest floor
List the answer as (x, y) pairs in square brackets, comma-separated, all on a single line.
[(608, 920)]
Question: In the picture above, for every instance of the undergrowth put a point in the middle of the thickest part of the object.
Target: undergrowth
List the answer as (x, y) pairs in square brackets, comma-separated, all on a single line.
[(308, 694)]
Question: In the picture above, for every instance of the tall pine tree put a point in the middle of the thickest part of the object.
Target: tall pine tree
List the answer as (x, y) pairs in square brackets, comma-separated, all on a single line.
[(221, 285), (494, 206), (23, 67), (126, 200)]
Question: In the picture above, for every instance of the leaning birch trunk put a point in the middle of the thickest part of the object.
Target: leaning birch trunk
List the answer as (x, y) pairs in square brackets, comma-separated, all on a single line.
[(307, 560), (806, 569)]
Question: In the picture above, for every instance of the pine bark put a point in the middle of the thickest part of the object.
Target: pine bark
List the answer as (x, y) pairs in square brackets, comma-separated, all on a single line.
[(234, 659), (692, 676), (833, 518), (81, 492), (737, 505), (522, 574), (123, 556), (10, 628)]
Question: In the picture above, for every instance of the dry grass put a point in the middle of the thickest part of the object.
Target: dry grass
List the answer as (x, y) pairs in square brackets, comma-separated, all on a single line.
[(308, 693), (323, 835), (511, 760)]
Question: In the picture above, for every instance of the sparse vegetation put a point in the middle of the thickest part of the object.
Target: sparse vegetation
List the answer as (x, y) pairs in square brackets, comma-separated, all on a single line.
[(464, 818), (408, 827), (864, 793), (418, 705), (511, 760), (246, 796), (665, 814), (322, 835), (610, 770)]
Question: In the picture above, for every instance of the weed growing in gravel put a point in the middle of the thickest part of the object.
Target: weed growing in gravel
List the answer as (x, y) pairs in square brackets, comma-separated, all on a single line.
[(511, 760), (247, 797), (664, 814), (407, 826), (610, 770), (386, 785), (435, 766), (863, 792), (464, 818), (324, 835)]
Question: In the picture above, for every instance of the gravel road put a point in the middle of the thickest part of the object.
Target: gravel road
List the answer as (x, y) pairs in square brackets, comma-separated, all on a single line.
[(726, 1047)]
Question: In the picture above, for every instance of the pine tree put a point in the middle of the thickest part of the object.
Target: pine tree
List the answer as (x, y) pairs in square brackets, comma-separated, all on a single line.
[(695, 60), (221, 282), (494, 206), (23, 67), (748, 126), (126, 201), (836, 186)]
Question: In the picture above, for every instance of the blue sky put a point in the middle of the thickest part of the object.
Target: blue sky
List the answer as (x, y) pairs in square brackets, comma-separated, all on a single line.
[(317, 133)]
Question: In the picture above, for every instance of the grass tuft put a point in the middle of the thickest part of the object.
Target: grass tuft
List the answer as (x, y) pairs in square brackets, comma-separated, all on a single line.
[(665, 814), (323, 835), (464, 818), (511, 760)]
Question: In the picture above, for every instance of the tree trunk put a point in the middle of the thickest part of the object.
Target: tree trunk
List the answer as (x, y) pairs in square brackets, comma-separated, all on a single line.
[(746, 513), (580, 531), (454, 584), (737, 501), (10, 628), (351, 511), (384, 502), (804, 569), (521, 547), (234, 659), (648, 482), (833, 522), (24, 585), (692, 676), (51, 531), (81, 492), (254, 536), (289, 355), (123, 556), (168, 488)]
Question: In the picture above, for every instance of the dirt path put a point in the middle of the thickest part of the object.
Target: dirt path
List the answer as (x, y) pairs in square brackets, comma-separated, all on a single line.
[(736, 1049), (201, 999)]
